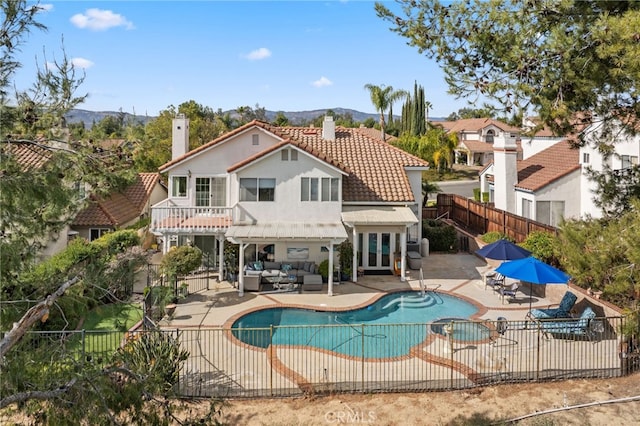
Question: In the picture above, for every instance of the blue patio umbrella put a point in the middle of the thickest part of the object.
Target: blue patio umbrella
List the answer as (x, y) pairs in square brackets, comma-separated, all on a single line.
[(503, 250), (533, 271)]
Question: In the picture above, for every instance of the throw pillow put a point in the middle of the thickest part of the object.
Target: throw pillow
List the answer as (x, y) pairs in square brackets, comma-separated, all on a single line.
[(257, 266)]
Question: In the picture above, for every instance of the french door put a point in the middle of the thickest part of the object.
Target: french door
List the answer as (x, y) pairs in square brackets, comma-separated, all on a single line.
[(376, 249)]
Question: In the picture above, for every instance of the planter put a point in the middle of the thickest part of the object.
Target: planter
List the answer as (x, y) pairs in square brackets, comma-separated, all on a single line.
[(170, 309)]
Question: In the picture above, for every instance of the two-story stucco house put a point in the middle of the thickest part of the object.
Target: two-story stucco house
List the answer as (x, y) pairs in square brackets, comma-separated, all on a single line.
[(475, 137), (292, 193), (553, 183)]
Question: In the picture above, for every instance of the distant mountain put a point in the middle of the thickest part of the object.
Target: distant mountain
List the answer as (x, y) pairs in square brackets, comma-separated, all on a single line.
[(90, 117), (295, 117)]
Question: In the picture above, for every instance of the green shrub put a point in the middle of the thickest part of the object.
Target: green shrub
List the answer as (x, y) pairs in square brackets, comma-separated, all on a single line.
[(485, 197), (323, 268), (118, 241), (493, 236), (542, 245), (442, 237), (345, 256), (181, 260), (476, 194)]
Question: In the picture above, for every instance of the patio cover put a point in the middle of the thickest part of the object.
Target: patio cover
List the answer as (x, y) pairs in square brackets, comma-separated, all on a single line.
[(381, 215), (270, 231)]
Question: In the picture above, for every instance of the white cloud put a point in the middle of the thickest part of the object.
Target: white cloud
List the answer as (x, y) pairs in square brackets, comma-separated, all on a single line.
[(100, 20), (322, 82), (81, 63), (256, 55), (45, 7)]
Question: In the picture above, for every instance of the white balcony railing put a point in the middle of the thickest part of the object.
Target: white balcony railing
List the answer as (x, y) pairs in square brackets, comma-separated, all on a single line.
[(169, 218)]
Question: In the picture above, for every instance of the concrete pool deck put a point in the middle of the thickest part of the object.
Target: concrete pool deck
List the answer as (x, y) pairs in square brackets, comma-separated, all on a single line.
[(456, 274), (220, 363)]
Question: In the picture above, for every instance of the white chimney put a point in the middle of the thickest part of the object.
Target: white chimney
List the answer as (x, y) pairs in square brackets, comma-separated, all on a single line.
[(505, 172), (179, 136), (328, 129)]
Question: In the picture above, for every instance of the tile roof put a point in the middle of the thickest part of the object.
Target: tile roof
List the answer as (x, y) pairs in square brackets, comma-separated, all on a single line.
[(119, 208), (475, 125), (375, 169), (478, 146), (28, 155), (547, 166)]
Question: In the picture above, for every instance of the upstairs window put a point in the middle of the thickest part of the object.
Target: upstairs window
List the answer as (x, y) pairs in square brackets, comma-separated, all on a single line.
[(585, 158), (628, 161), (255, 139), (257, 189), (319, 189), (179, 186)]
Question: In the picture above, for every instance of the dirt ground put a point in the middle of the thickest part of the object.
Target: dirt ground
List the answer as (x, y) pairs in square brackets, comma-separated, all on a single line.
[(483, 406)]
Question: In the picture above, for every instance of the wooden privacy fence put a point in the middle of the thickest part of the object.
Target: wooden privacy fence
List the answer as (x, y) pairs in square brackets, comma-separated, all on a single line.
[(480, 218)]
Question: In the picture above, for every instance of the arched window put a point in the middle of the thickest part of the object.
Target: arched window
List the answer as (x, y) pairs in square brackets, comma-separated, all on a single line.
[(490, 135)]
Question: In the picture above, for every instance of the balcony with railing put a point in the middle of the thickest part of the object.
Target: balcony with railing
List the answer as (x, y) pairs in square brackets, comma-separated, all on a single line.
[(166, 217)]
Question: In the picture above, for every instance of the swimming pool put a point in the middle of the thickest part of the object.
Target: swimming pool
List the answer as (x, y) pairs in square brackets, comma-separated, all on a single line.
[(387, 328)]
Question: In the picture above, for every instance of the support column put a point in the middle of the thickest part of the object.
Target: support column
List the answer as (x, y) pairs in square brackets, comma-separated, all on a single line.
[(241, 271), (354, 263), (221, 258), (403, 255), (330, 278)]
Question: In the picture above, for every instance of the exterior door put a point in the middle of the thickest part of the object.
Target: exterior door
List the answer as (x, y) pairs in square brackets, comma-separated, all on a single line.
[(377, 250)]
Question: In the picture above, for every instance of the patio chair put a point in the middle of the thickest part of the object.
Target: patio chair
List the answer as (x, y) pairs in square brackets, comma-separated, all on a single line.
[(580, 327), (495, 282), (562, 311), (509, 291)]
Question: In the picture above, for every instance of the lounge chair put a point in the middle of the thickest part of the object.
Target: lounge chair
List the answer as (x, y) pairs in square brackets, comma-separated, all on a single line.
[(580, 327), (495, 281), (510, 291), (562, 311)]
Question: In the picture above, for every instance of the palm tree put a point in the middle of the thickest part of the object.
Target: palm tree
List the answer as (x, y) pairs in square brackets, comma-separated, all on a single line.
[(427, 107), (428, 188), (382, 99)]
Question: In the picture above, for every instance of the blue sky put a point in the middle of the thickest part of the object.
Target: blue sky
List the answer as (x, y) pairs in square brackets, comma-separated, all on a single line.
[(143, 56)]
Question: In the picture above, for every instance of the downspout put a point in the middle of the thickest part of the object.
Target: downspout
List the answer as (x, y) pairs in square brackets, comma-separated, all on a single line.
[(403, 255), (354, 262)]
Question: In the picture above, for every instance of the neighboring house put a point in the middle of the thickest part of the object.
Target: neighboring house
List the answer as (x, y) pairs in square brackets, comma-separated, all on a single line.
[(475, 138), (553, 183), (292, 192), (121, 209), (542, 188)]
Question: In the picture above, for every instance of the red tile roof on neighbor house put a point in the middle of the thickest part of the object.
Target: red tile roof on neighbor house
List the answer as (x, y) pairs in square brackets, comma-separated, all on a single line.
[(478, 146), (27, 154), (547, 166), (474, 125), (119, 208), (375, 169)]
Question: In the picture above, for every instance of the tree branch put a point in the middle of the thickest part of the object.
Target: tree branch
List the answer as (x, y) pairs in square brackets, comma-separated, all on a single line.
[(40, 395), (36, 313)]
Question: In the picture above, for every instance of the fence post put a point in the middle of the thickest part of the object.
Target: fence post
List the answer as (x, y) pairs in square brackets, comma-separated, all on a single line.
[(271, 359), (84, 355), (362, 372), (539, 331)]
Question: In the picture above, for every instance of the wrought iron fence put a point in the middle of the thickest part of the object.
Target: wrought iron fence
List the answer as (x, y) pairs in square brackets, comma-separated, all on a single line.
[(338, 357), (199, 280)]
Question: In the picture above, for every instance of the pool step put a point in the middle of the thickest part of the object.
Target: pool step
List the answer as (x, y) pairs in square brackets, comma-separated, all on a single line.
[(411, 302)]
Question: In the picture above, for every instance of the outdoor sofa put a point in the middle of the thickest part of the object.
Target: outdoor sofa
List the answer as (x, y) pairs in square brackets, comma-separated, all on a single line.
[(273, 269)]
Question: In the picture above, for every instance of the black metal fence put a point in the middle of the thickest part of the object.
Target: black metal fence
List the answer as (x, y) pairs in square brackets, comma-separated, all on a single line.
[(199, 280), (288, 360)]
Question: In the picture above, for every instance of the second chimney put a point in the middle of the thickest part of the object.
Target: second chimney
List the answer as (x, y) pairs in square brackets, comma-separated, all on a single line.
[(328, 129)]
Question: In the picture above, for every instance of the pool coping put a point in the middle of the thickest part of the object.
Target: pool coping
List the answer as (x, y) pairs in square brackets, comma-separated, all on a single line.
[(414, 352)]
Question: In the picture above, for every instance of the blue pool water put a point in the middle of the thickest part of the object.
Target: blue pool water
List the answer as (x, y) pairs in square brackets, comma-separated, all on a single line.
[(387, 328)]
